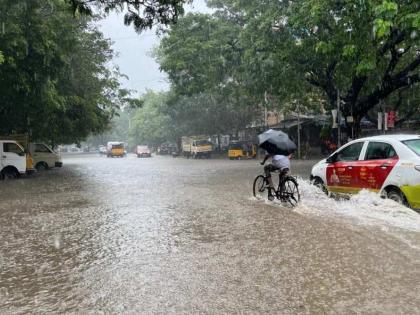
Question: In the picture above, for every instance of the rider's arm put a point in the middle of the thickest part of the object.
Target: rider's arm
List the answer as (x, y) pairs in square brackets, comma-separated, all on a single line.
[(265, 159)]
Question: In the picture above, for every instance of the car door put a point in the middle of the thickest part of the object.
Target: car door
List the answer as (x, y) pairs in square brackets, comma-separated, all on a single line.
[(13, 154), (379, 160), (43, 154), (342, 173)]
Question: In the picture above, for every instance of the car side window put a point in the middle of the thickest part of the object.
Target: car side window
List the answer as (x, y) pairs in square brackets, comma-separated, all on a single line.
[(12, 148), (379, 151), (40, 148), (350, 153)]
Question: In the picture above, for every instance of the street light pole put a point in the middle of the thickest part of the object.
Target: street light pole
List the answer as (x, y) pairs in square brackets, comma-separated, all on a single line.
[(338, 119), (298, 129)]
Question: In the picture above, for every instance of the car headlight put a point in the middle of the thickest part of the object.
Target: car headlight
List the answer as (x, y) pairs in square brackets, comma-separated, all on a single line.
[(417, 167)]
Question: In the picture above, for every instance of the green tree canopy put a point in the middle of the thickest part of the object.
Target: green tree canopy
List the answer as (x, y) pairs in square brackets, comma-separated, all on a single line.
[(141, 14), (54, 81), (151, 124), (368, 50)]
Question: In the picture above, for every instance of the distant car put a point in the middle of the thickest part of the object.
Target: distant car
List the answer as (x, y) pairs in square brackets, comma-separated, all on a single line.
[(102, 150), (167, 148), (143, 151), (388, 164)]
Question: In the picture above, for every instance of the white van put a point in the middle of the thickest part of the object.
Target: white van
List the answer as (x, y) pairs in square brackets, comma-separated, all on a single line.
[(44, 157), (12, 159)]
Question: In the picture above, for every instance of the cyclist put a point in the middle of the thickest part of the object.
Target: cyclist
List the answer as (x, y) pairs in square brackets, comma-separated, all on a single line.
[(278, 162)]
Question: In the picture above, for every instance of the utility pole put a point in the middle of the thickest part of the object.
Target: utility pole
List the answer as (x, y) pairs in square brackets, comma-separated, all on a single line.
[(298, 129), (339, 120), (265, 110)]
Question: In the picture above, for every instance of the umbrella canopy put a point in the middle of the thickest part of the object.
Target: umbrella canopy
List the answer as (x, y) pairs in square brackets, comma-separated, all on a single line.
[(276, 142)]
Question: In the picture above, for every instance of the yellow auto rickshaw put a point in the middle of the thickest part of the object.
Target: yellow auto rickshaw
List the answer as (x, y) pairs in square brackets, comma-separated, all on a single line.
[(242, 150)]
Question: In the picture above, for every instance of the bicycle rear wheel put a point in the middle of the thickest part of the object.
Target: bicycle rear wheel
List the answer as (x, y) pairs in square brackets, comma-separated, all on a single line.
[(259, 185), (289, 191)]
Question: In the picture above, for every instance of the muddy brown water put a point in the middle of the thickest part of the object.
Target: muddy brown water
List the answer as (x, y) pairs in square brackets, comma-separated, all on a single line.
[(177, 236)]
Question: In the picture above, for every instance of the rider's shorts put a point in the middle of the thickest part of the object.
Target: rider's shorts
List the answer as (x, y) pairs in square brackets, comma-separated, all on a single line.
[(270, 168)]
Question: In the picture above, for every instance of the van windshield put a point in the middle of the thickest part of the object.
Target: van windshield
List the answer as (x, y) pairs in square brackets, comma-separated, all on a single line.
[(413, 145), (202, 142), (118, 146)]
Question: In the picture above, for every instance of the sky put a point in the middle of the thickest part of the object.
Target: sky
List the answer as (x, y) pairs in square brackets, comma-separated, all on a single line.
[(134, 52)]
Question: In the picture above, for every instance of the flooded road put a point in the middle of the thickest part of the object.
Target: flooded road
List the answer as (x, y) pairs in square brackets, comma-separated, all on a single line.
[(176, 236)]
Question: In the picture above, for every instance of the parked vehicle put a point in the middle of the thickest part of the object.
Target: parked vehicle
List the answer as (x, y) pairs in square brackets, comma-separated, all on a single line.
[(196, 147), (167, 148), (115, 149), (242, 150), (102, 150), (12, 159), (44, 157), (23, 141), (388, 164), (143, 151)]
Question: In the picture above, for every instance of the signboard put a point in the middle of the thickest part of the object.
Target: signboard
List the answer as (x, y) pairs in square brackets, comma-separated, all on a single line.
[(334, 118), (391, 119), (380, 120)]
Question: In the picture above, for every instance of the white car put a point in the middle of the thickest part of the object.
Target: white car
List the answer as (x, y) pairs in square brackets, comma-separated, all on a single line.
[(143, 151), (388, 164), (44, 157)]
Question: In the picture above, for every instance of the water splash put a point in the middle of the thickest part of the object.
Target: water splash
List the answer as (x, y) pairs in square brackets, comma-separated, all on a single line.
[(366, 208)]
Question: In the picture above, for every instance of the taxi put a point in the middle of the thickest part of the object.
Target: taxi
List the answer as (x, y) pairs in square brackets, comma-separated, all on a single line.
[(388, 164)]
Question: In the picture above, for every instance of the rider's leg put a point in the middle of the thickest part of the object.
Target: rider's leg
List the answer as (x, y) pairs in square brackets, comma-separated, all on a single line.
[(268, 169)]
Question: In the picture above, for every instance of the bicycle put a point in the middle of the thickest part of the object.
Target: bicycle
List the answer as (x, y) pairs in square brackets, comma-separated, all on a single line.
[(287, 190)]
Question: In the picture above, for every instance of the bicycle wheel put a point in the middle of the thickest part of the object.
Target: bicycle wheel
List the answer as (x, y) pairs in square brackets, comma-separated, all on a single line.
[(259, 185), (289, 191)]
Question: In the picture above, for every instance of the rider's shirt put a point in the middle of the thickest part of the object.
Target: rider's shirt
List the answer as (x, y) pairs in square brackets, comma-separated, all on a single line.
[(280, 161)]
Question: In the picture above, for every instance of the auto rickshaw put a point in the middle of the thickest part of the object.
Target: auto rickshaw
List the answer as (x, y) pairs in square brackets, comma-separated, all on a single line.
[(242, 150)]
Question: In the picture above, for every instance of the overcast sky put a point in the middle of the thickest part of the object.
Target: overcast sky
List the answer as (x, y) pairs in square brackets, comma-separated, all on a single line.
[(134, 49)]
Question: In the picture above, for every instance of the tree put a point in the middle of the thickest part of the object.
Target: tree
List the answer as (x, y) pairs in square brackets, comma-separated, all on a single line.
[(206, 113), (142, 14), (150, 124), (54, 81), (199, 53), (202, 57), (367, 50)]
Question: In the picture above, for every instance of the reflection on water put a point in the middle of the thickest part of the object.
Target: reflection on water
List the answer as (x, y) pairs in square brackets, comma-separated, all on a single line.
[(166, 235)]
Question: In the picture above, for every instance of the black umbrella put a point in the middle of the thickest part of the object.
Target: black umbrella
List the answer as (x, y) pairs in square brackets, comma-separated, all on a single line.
[(276, 142)]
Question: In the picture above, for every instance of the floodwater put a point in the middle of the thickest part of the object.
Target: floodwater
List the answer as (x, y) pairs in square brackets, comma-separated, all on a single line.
[(175, 236)]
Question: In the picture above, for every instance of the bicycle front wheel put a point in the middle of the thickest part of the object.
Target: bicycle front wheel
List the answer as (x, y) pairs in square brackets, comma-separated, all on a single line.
[(259, 185), (289, 191)]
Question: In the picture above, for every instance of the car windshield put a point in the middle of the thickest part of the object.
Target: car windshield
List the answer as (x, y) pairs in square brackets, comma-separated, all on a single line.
[(202, 142), (413, 145)]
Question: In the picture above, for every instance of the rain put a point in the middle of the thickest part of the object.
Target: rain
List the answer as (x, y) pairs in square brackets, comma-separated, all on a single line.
[(159, 160)]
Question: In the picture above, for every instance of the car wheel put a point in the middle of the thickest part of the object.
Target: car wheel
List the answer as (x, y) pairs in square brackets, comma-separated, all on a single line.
[(41, 166), (397, 196), (9, 174), (317, 182)]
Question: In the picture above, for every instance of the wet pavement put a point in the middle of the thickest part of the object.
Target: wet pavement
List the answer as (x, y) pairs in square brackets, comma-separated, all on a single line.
[(175, 236)]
